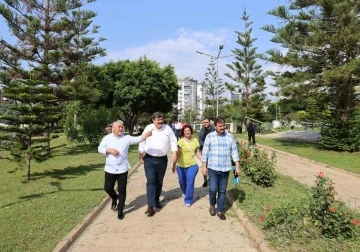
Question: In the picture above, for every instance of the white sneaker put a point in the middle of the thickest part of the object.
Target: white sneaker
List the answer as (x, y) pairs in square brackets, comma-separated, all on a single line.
[(188, 205), (183, 195)]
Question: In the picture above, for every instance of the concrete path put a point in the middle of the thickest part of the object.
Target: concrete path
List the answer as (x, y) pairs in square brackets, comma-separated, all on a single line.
[(173, 228), (304, 170)]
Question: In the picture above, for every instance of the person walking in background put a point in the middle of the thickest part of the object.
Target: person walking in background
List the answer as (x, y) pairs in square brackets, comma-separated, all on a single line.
[(205, 130), (187, 167), (292, 124), (155, 160), (178, 127), (116, 146), (251, 129), (218, 151)]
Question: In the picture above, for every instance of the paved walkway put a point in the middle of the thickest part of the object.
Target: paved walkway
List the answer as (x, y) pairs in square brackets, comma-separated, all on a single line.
[(173, 228), (304, 170)]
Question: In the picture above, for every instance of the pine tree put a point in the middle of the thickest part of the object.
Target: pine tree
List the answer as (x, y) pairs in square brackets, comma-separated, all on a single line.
[(248, 75), (33, 111), (322, 38), (214, 88), (52, 45)]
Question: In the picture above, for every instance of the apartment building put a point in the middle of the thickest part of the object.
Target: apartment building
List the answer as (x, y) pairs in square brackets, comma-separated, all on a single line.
[(190, 97)]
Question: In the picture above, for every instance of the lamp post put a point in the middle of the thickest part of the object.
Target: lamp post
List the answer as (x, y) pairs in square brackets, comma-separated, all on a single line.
[(217, 73)]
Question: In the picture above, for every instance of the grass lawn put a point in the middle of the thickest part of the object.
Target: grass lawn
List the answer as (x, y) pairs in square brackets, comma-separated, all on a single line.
[(253, 199), (343, 160), (35, 215)]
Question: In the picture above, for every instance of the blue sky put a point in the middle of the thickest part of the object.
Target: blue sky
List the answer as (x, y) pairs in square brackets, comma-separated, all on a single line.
[(171, 31)]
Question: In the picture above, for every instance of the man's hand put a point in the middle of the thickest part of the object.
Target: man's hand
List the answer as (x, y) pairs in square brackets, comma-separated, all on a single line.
[(174, 168), (237, 171), (204, 171), (141, 158), (112, 151), (147, 134)]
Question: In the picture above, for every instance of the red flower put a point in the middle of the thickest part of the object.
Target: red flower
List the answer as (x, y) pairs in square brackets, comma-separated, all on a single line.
[(321, 174), (262, 218), (267, 208), (332, 209), (355, 222)]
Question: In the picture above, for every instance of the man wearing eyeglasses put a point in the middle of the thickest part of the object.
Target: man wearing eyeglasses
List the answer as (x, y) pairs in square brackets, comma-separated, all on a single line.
[(205, 130)]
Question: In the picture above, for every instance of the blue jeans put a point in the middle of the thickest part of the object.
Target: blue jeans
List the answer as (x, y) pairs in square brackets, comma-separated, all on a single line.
[(155, 169), (187, 181), (218, 181)]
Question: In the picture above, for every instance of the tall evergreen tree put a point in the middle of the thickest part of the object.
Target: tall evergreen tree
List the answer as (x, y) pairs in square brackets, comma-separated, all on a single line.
[(322, 38), (248, 75), (52, 44), (33, 111), (214, 88)]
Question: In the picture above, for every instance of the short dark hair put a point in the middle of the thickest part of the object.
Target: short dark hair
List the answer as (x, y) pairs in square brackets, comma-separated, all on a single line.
[(219, 120), (157, 115), (206, 118), (186, 126)]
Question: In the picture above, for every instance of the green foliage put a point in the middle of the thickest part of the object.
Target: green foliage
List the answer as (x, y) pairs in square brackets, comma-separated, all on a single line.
[(52, 38), (319, 214), (214, 88), (322, 42), (340, 136), (265, 128), (33, 112), (248, 75), (138, 87), (93, 123), (332, 217), (71, 122), (258, 166)]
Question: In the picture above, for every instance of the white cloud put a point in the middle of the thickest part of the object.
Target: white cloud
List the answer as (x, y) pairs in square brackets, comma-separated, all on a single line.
[(181, 51)]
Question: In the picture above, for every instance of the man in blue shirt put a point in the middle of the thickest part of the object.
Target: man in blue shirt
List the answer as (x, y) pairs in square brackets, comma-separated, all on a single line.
[(218, 150), (116, 146)]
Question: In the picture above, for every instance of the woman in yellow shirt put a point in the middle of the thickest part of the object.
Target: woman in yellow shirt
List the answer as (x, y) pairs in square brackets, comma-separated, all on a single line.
[(187, 167)]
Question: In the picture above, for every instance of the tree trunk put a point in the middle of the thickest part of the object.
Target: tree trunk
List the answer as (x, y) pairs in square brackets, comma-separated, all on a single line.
[(28, 163)]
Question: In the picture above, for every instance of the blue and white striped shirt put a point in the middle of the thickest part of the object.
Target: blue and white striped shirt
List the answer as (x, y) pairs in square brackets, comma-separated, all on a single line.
[(218, 150)]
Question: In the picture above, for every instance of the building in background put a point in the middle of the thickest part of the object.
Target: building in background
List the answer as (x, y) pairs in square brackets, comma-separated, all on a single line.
[(191, 97)]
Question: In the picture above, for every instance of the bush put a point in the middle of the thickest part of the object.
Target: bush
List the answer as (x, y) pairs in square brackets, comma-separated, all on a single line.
[(333, 218), (93, 122), (258, 166)]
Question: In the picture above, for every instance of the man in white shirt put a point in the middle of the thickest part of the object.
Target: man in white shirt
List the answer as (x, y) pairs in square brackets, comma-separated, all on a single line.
[(155, 160), (116, 146)]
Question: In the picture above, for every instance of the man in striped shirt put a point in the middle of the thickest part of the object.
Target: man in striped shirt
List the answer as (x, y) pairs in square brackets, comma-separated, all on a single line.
[(218, 149)]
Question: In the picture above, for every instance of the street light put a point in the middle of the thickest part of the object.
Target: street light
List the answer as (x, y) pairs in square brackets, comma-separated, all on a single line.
[(217, 73)]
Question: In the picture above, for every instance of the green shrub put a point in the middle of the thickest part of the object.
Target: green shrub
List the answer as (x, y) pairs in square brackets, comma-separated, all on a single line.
[(258, 166), (333, 218)]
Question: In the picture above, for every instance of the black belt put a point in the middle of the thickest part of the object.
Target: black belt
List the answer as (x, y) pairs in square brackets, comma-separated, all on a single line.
[(162, 157)]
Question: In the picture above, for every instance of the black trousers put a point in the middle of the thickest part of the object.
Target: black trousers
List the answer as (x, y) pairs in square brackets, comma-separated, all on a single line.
[(155, 169), (251, 135), (121, 179)]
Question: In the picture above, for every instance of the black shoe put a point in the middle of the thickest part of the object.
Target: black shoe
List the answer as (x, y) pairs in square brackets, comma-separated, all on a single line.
[(114, 205), (212, 211), (221, 216), (205, 184), (158, 205), (120, 215), (150, 212)]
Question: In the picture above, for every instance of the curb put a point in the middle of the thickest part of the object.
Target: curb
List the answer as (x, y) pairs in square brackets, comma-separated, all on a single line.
[(304, 158), (71, 237), (254, 232)]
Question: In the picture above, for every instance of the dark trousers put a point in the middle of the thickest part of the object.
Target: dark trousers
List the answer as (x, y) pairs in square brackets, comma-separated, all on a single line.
[(218, 181), (121, 179), (251, 135), (155, 169)]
